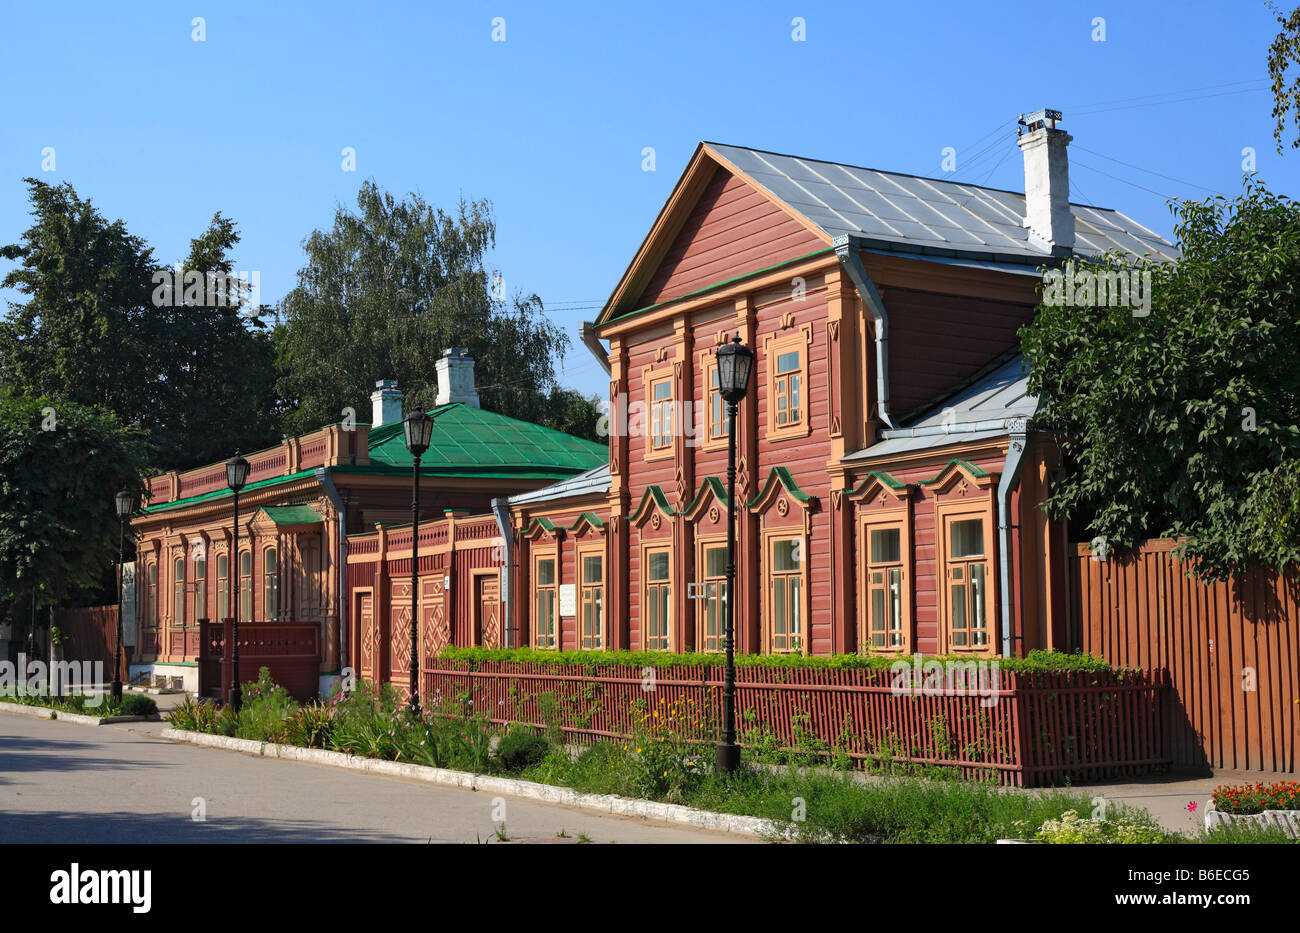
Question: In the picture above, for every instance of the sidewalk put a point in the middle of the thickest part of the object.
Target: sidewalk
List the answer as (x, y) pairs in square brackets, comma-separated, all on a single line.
[(1166, 797)]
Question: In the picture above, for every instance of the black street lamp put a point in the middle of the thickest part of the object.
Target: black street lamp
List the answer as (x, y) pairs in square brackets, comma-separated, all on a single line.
[(236, 477), (418, 427), (735, 362), (125, 503)]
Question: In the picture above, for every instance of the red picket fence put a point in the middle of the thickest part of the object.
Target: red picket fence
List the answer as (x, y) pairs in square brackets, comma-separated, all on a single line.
[(1023, 728), (290, 649)]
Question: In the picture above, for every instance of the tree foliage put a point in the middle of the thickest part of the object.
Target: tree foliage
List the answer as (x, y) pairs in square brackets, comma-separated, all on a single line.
[(1282, 54), (1178, 423), (198, 378), (386, 290), (61, 464)]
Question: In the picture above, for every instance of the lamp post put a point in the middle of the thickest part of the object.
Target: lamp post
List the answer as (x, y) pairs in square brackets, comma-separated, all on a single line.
[(236, 477), (125, 503), (418, 427), (735, 362)]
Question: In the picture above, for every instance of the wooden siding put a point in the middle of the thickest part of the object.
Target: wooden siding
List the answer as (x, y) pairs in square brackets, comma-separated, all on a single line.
[(733, 229), (1216, 640), (937, 342)]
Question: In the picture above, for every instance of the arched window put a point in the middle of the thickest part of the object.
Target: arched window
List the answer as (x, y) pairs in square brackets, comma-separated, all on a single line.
[(178, 591), (200, 588), (151, 597), (270, 585), (223, 584), (245, 586)]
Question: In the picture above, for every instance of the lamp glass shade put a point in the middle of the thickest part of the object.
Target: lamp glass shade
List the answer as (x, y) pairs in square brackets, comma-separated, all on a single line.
[(419, 429), (735, 363), (236, 472), (125, 502)]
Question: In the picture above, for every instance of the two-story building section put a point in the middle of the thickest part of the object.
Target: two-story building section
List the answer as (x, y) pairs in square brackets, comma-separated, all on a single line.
[(890, 467)]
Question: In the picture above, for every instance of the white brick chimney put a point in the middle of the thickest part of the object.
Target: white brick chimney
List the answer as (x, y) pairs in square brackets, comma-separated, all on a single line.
[(455, 369), (385, 403), (1047, 181)]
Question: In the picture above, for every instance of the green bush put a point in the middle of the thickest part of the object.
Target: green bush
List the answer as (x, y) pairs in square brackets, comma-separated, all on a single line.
[(267, 710), (133, 704), (594, 660), (521, 748)]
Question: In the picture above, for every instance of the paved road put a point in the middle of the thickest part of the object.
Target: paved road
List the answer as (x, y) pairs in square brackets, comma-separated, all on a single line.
[(62, 783)]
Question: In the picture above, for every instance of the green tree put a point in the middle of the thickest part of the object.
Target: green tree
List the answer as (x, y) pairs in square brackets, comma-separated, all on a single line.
[(1174, 423), (100, 327), (1282, 54), (61, 464), (570, 411), (385, 291)]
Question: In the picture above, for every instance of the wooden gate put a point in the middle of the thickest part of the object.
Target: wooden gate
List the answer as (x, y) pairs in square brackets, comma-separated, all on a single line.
[(371, 640), (487, 611)]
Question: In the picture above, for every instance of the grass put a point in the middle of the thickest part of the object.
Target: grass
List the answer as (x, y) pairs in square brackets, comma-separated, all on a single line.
[(132, 704), (663, 763)]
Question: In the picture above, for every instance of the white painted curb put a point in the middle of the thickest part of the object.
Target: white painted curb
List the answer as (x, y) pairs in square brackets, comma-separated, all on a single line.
[(603, 803), (44, 712)]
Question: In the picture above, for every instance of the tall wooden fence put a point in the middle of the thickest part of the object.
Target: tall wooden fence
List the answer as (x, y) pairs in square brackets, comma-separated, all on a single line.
[(1230, 650), (290, 649), (1021, 728), (91, 635)]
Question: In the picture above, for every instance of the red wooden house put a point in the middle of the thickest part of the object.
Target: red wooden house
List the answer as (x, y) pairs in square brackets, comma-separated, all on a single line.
[(304, 500), (889, 468)]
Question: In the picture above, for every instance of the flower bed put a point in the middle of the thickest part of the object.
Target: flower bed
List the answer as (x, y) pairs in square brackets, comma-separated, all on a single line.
[(1256, 798), (1275, 805)]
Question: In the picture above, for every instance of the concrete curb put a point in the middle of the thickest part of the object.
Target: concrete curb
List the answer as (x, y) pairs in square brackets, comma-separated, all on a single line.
[(491, 784), (44, 712)]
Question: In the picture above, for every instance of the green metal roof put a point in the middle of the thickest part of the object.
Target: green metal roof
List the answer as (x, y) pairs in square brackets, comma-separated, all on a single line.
[(471, 441), (292, 514), (225, 493)]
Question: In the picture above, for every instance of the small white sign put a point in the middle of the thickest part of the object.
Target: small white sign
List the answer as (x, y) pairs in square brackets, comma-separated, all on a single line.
[(568, 599)]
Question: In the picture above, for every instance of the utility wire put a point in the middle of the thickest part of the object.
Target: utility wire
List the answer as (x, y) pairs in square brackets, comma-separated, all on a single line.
[(1167, 197), (1149, 171)]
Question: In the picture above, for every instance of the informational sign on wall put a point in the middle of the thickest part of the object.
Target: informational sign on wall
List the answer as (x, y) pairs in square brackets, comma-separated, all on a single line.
[(128, 603), (568, 599)]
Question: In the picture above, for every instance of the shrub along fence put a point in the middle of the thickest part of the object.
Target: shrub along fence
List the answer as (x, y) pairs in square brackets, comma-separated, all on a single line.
[(1020, 727)]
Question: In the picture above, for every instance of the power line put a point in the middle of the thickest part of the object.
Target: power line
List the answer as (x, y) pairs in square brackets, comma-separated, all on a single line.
[(1167, 197), (1190, 90), (1149, 171), (1157, 103)]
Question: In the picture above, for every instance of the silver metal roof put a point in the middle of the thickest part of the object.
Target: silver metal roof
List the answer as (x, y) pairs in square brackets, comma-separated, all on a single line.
[(983, 410), (910, 212), (594, 480)]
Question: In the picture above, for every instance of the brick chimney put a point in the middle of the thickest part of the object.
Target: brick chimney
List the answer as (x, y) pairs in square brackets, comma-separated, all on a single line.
[(385, 403), (455, 369), (1047, 181)]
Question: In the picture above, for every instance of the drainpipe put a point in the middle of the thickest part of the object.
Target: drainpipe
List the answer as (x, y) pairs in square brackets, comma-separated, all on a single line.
[(501, 509), (851, 260), (1018, 429), (594, 345), (324, 478)]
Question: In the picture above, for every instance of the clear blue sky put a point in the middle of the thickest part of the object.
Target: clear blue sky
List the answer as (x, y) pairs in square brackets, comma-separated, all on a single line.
[(163, 131)]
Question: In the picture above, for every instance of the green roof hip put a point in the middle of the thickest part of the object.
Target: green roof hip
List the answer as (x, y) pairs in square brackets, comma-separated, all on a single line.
[(474, 441), (292, 514)]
